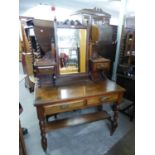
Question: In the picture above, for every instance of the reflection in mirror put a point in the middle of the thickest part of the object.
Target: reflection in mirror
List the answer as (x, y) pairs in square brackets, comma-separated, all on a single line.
[(71, 50)]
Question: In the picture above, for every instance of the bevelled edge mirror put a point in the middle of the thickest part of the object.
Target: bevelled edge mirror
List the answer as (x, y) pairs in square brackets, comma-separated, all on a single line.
[(71, 50)]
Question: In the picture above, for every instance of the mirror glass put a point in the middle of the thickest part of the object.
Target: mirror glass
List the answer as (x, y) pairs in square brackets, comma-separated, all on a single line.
[(71, 50)]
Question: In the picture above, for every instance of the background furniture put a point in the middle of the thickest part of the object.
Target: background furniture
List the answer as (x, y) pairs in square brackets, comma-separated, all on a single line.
[(126, 69), (26, 57), (28, 70), (129, 84), (93, 16)]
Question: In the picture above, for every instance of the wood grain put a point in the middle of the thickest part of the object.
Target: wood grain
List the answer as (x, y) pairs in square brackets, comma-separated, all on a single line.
[(77, 120)]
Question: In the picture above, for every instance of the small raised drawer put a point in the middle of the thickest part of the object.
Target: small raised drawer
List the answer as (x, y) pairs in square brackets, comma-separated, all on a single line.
[(102, 65)]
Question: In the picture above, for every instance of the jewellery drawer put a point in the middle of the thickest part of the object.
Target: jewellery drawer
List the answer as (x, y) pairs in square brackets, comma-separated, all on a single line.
[(63, 107), (45, 71), (102, 65), (102, 99)]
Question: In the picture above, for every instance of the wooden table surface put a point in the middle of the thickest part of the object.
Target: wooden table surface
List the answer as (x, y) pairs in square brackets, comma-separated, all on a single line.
[(74, 90)]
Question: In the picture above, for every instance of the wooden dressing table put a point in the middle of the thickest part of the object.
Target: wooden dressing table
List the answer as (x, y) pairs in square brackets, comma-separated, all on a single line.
[(73, 90), (75, 95)]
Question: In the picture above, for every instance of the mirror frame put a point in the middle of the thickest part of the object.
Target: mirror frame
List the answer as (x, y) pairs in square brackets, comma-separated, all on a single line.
[(56, 26)]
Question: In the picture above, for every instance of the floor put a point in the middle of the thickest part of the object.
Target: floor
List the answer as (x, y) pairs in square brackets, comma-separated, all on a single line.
[(89, 139), (126, 146)]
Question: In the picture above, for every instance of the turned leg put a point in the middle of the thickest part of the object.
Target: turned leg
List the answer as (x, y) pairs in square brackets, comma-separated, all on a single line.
[(43, 134), (115, 118)]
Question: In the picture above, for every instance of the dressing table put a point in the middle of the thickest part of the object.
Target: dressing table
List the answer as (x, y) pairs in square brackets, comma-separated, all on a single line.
[(74, 90)]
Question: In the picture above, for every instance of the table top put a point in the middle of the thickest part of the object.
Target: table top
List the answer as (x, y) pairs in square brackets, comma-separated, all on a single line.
[(74, 90)]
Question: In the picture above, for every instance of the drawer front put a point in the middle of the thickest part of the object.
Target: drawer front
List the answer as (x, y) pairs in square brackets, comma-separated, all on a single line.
[(102, 65), (63, 107), (102, 99), (46, 71)]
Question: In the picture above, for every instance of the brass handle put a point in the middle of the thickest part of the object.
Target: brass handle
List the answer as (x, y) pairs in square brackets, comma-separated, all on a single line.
[(104, 98), (73, 103), (64, 106)]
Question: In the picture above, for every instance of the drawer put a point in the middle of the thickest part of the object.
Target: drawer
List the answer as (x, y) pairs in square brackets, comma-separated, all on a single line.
[(63, 107), (102, 65), (46, 71), (102, 99)]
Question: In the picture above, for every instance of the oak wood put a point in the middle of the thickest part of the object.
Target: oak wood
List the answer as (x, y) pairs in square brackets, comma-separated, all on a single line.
[(75, 90), (74, 95), (115, 118), (41, 118), (76, 121), (44, 31), (98, 65)]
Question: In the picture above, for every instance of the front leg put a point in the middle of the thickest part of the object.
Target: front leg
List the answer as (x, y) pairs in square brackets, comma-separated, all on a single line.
[(42, 121), (43, 134), (115, 118)]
